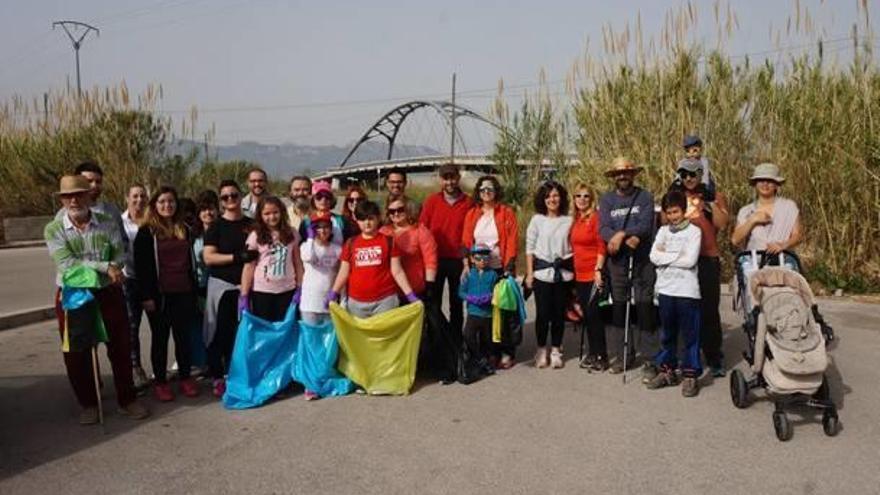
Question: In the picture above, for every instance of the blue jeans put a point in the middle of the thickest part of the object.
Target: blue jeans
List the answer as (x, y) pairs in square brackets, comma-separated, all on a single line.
[(680, 316)]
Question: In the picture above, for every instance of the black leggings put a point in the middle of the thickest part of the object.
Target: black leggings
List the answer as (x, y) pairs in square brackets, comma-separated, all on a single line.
[(593, 319), (174, 315), (220, 349), (710, 291), (270, 307), (551, 300)]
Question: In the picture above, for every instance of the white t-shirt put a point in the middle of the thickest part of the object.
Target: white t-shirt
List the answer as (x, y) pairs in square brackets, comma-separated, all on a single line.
[(677, 261), (486, 233), (131, 230), (320, 264), (547, 238)]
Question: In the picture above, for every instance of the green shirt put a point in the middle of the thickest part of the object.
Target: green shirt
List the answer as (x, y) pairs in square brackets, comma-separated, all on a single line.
[(95, 246)]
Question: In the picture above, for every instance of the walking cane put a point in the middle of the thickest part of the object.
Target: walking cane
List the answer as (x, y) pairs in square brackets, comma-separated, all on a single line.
[(629, 298), (97, 389)]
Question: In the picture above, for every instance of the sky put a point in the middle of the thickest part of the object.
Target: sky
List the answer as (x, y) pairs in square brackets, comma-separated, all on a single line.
[(322, 72)]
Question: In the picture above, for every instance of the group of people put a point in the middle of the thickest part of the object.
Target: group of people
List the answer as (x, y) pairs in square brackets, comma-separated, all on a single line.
[(194, 266)]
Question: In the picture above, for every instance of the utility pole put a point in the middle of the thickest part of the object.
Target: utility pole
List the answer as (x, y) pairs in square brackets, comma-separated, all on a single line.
[(77, 42), (454, 110)]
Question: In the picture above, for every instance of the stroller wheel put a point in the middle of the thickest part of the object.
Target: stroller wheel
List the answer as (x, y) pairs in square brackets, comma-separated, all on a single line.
[(739, 389), (830, 423), (782, 426)]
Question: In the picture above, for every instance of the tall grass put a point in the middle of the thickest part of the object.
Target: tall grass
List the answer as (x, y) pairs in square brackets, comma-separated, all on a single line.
[(811, 114)]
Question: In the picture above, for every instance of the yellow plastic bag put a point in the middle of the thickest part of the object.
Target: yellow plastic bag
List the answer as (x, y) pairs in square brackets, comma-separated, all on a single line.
[(380, 353)]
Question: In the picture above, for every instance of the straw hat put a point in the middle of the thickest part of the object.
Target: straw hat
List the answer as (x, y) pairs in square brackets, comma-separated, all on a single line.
[(767, 171), (73, 184), (621, 164)]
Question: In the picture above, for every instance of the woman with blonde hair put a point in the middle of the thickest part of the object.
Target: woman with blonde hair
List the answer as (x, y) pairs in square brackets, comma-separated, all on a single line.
[(418, 250), (589, 257), (163, 260)]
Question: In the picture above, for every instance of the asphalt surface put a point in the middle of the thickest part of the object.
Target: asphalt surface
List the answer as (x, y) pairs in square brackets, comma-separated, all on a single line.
[(27, 279), (522, 431)]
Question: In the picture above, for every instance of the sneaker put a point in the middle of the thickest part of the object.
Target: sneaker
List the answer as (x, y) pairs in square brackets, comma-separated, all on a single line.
[(662, 379), (218, 387), (586, 362), (541, 360), (556, 361), (649, 371), (134, 410), (690, 387), (163, 392), (309, 395), (616, 367), (88, 416), (188, 387), (600, 364), (140, 377), (718, 371), (506, 362)]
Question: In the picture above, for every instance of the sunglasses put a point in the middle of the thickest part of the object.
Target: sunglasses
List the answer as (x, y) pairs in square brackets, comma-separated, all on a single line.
[(684, 174), (583, 196), (395, 211), (323, 197), (354, 199), (229, 197), (487, 189), (481, 256)]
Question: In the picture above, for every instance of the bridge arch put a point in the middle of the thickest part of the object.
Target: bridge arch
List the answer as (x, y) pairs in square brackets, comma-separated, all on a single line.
[(388, 126)]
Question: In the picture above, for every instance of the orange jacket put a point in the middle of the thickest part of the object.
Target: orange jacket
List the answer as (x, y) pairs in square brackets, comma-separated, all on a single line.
[(505, 222)]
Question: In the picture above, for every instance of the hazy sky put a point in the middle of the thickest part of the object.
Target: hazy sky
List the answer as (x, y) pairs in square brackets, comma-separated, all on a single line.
[(321, 72)]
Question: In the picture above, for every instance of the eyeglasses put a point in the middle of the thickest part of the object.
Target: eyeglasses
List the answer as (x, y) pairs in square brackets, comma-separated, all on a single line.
[(684, 174), (396, 211), (487, 189), (583, 196), (323, 197), (229, 197)]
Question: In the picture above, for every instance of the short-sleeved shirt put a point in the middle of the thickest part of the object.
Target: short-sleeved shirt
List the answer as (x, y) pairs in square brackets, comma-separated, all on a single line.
[(783, 220), (370, 262), (274, 273), (228, 237)]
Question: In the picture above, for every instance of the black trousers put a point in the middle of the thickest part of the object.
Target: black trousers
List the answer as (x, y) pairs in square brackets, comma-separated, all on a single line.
[(595, 326), (551, 300), (220, 350), (647, 340), (710, 292), (270, 307), (478, 336), (174, 316), (449, 272)]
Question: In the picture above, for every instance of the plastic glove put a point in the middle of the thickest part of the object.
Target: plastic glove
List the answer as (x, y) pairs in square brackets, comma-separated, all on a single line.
[(297, 296), (332, 296), (243, 303), (412, 297), (311, 231)]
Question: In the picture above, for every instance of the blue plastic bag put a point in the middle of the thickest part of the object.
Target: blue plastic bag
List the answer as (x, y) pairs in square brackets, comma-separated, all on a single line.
[(262, 358), (315, 363)]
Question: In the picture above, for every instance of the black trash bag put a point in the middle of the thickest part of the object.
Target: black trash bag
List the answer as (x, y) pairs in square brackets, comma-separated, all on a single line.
[(511, 328), (470, 368), (81, 325), (441, 351)]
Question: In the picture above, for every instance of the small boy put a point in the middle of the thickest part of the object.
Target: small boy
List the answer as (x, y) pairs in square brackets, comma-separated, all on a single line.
[(693, 150), (370, 268), (675, 253), (476, 289)]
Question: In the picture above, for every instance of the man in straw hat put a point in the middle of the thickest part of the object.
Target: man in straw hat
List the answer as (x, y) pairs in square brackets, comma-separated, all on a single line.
[(626, 223), (82, 237), (770, 223)]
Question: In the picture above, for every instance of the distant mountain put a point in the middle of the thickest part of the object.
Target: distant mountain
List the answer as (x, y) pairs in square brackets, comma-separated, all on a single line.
[(288, 159)]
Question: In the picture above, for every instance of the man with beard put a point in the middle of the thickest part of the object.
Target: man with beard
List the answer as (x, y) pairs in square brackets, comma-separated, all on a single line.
[(301, 198), (85, 237), (626, 223), (94, 174), (443, 213), (257, 182)]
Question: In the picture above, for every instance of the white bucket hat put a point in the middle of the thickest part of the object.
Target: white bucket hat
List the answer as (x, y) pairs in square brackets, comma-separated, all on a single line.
[(768, 171)]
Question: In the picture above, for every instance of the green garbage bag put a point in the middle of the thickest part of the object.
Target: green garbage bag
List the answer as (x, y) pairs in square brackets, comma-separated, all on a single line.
[(380, 353)]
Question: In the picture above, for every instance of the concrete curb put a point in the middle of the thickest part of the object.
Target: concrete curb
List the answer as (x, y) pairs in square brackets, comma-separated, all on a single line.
[(22, 244), (26, 317)]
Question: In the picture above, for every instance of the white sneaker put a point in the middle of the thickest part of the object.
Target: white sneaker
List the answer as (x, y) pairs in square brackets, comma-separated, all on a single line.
[(556, 361), (541, 358)]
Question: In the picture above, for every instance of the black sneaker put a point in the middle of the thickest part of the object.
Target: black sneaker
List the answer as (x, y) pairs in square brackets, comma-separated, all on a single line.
[(600, 364), (587, 362)]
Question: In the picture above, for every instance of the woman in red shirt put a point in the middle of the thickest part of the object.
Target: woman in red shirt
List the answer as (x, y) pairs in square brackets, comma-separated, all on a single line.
[(589, 256), (418, 250)]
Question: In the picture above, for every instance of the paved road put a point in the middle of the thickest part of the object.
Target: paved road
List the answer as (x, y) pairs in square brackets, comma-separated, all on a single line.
[(26, 278), (521, 431)]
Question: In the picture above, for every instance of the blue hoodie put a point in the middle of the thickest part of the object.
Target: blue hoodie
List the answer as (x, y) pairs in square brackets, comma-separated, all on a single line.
[(478, 285)]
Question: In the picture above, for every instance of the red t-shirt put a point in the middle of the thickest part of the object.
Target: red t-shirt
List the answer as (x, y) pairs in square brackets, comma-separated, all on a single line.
[(370, 262), (587, 245)]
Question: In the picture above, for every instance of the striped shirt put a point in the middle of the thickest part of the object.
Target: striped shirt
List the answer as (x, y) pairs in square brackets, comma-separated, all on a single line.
[(96, 246)]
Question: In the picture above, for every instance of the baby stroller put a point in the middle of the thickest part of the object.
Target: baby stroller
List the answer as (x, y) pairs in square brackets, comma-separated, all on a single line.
[(786, 339)]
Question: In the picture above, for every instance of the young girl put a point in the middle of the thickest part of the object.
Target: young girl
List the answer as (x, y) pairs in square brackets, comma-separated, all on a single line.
[(320, 258), (166, 277), (268, 283), (370, 268)]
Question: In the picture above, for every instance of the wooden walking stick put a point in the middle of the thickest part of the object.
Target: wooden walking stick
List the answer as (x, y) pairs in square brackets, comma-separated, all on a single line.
[(97, 386)]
